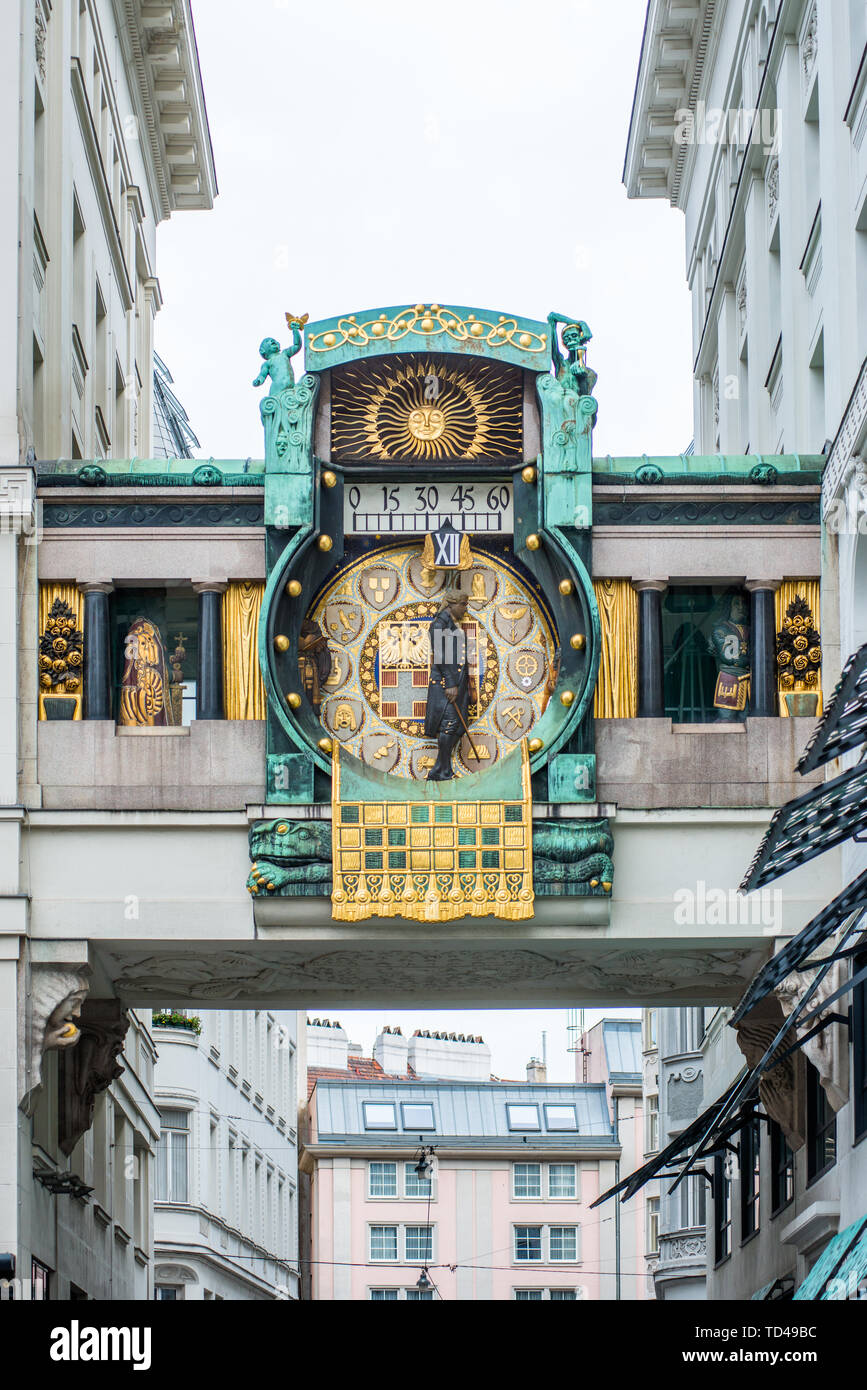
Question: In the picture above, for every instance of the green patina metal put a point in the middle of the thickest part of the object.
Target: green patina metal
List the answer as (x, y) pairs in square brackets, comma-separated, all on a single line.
[(770, 470), (572, 778), (428, 328), (292, 858), (151, 473)]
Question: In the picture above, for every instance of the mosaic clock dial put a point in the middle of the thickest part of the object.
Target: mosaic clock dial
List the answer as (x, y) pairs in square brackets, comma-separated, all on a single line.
[(375, 616)]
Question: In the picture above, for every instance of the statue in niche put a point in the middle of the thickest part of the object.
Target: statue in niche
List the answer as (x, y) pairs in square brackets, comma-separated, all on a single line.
[(144, 685), (276, 364), (314, 661), (730, 641), (448, 696), (571, 370)]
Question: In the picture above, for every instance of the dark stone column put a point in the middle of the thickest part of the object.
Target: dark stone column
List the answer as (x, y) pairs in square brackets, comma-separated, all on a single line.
[(651, 685), (98, 673), (209, 681), (763, 658)]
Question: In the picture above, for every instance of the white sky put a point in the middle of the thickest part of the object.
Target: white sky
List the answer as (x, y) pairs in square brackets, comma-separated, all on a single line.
[(514, 1036), (468, 152), (386, 152)]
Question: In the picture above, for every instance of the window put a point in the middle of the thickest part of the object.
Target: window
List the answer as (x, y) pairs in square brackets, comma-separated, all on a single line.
[(170, 645), (528, 1243), (563, 1243), (688, 1030), (522, 1117), (413, 1185), (821, 1127), (166, 1293), (417, 1117), (561, 1180), (546, 1295), (418, 1243), (652, 1125), (859, 1049), (705, 634), (40, 1276), (527, 1180), (782, 1170), (750, 1165), (172, 1166), (382, 1180), (383, 1242), (690, 1203), (653, 1225), (401, 1295), (560, 1117), (722, 1208), (651, 1017), (379, 1115)]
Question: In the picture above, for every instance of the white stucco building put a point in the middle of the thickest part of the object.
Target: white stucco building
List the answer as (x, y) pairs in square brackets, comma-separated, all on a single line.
[(104, 136), (226, 1211), (750, 116)]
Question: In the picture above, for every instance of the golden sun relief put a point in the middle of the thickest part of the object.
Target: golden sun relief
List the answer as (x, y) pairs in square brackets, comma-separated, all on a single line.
[(426, 408)]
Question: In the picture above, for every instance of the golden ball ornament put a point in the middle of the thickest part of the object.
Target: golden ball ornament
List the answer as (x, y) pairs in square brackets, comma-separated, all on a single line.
[(533, 541), (578, 641), (565, 586), (325, 543), (567, 698), (329, 479), (281, 642), (293, 588), (528, 474), (293, 700)]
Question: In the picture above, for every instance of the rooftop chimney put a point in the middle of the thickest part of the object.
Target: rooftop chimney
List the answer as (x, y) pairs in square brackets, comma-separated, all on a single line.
[(327, 1044), (390, 1051), (536, 1070), (441, 1054)]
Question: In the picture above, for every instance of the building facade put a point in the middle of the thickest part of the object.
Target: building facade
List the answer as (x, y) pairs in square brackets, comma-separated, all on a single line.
[(225, 1194), (498, 1209), (750, 117), (105, 135)]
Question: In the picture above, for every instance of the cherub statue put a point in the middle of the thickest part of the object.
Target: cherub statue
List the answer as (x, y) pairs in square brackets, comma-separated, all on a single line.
[(278, 365), (572, 370)]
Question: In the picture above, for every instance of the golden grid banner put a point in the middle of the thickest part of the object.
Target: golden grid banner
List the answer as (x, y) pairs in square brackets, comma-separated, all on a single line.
[(432, 861)]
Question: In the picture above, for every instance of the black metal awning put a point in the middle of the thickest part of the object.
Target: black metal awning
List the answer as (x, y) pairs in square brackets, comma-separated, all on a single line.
[(669, 1155), (807, 826), (797, 951), (843, 726)]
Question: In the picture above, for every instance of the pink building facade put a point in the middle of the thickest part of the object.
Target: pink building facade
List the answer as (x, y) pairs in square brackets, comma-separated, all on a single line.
[(500, 1209)]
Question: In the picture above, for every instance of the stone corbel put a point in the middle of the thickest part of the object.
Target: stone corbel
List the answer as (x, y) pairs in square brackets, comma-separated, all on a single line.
[(829, 1050), (90, 1068), (49, 1020), (781, 1089)]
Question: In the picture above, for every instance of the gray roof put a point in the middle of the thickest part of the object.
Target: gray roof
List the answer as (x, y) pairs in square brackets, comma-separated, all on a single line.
[(172, 434), (466, 1114), (622, 1038)]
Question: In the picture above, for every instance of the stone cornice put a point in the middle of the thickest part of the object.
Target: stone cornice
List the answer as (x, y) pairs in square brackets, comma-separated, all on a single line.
[(674, 54), (166, 78)]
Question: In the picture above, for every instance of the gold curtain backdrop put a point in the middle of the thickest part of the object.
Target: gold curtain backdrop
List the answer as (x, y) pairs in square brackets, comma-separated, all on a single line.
[(243, 687), (68, 593), (616, 694), (790, 589)]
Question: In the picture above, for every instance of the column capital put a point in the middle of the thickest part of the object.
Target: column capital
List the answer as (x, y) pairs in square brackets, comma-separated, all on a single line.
[(752, 585), (95, 586), (210, 586), (659, 585)]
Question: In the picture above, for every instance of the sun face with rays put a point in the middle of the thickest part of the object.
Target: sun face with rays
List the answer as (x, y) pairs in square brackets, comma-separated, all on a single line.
[(426, 408)]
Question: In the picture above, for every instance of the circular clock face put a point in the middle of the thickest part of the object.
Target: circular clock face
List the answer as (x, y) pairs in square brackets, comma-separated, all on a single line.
[(375, 615)]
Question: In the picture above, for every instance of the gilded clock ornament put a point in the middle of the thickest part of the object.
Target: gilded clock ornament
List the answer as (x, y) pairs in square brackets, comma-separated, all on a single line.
[(426, 408)]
